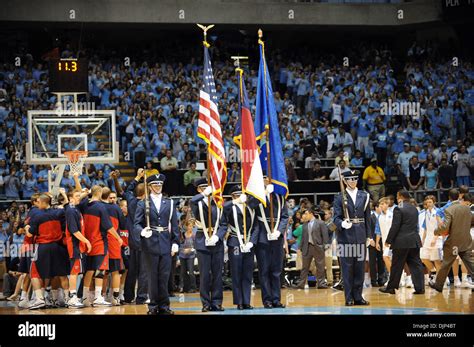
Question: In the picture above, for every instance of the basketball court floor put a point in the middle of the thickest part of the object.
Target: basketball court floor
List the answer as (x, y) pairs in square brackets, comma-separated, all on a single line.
[(306, 302)]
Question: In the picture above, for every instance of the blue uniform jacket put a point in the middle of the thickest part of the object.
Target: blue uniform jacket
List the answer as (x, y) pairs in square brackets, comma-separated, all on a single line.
[(200, 240), (160, 242), (359, 232), (232, 241)]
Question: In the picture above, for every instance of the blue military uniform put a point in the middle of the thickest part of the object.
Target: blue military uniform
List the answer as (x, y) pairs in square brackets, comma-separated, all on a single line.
[(136, 268), (157, 248), (210, 258), (270, 253), (241, 263), (352, 242)]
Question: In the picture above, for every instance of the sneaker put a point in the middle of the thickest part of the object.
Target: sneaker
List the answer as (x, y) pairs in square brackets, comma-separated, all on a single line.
[(24, 304), (48, 302), (447, 283), (100, 301), (408, 282), (13, 297), (457, 283), (121, 298), (306, 286), (87, 302), (147, 301), (74, 302), (115, 302), (464, 284), (37, 303)]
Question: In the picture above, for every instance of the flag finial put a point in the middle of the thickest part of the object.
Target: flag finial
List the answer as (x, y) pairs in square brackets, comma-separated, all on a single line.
[(205, 29), (260, 33)]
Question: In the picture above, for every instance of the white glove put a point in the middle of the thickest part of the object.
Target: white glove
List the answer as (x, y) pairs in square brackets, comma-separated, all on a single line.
[(146, 232), (174, 248), (212, 241), (346, 224), (248, 246), (207, 191), (269, 189), (242, 198), (276, 234)]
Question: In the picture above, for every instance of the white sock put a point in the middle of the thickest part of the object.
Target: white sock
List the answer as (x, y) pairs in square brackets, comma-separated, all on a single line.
[(464, 277), (66, 293), (427, 278), (39, 294), (98, 292), (72, 293), (24, 295), (54, 294)]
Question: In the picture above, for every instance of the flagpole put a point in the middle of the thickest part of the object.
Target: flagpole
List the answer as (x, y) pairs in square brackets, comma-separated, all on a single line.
[(267, 134), (208, 157), (244, 209)]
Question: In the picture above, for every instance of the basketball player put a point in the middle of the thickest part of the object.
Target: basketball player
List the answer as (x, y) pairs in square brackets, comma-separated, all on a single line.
[(50, 258), (124, 234), (77, 246)]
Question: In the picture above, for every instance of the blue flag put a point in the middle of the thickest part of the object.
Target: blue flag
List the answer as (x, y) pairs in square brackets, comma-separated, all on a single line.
[(266, 118)]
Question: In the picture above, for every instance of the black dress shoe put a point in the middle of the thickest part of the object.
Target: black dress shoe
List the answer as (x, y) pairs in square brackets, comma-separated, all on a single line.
[(278, 305), (165, 312), (361, 302), (240, 307), (206, 309), (386, 290), (217, 308), (172, 295), (323, 286), (349, 303), (248, 307), (267, 305), (152, 312), (419, 292), (432, 285)]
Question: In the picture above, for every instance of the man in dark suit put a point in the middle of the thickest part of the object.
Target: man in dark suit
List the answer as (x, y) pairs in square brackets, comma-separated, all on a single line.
[(314, 242), (405, 242), (159, 242), (376, 264)]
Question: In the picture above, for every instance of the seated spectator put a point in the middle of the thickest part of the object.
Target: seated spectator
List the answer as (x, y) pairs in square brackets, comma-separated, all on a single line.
[(334, 175), (99, 179), (234, 173), (357, 160), (309, 161), (168, 163), (189, 177), (317, 173)]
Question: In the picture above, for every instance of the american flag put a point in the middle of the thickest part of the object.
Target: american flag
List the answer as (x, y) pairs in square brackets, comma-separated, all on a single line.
[(209, 129)]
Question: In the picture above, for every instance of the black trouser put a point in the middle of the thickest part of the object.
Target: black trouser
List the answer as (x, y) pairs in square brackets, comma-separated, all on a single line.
[(158, 268), (210, 265), (376, 265), (187, 271), (411, 257), (172, 279), (136, 271)]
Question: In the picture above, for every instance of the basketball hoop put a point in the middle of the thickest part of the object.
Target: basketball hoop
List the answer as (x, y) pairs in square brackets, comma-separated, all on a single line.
[(76, 160)]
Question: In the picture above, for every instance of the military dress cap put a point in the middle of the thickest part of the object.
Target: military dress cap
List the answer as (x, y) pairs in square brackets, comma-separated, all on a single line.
[(156, 179), (201, 182), (237, 189), (351, 174)]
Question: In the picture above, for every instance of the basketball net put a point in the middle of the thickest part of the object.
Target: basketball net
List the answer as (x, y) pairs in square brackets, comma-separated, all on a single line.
[(76, 161)]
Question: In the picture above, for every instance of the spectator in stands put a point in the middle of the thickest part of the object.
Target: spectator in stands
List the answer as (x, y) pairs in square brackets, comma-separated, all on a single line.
[(431, 177), (67, 182), (189, 177), (344, 141), (234, 173), (139, 147), (415, 174), (309, 161), (28, 185), (341, 155), (99, 180), (463, 167), (334, 175), (374, 180), (290, 171), (150, 170), (403, 162), (168, 163), (12, 185), (317, 173), (357, 160)]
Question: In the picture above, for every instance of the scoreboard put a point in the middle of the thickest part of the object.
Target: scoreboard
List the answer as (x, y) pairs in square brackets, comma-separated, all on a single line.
[(68, 75)]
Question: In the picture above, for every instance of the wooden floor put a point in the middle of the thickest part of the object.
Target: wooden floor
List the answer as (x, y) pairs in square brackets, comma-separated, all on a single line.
[(308, 301)]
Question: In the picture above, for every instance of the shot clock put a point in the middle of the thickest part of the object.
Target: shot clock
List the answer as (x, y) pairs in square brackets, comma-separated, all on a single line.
[(68, 75)]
